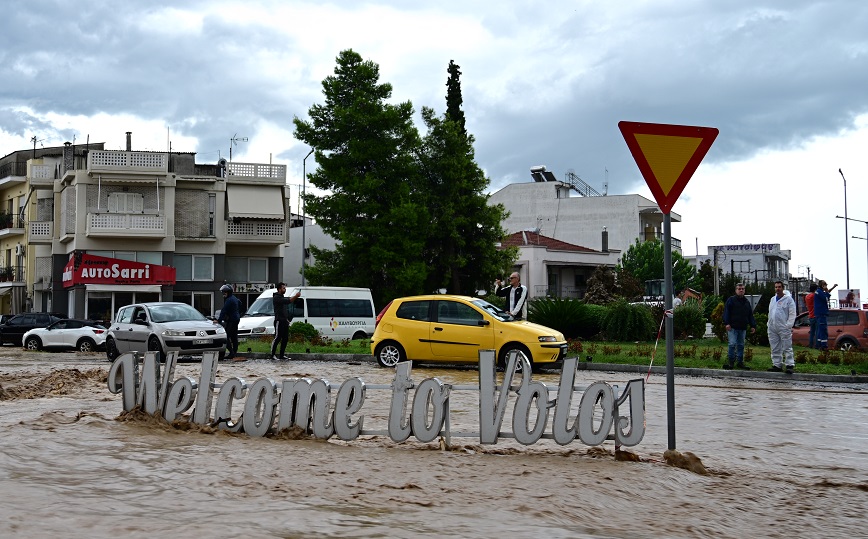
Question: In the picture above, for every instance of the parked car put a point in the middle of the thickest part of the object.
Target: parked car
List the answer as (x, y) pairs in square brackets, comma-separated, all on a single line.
[(4, 318), (81, 335), (848, 328), (163, 326), (14, 329), (452, 329)]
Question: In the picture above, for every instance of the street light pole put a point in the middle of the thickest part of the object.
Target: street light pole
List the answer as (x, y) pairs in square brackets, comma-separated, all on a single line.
[(303, 218), (866, 233), (846, 234)]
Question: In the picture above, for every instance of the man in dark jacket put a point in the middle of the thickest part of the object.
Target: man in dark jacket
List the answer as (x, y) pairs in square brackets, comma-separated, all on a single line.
[(230, 314), (283, 313), (737, 315)]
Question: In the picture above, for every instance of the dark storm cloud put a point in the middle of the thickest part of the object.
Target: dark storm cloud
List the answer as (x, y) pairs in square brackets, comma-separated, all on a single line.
[(769, 75)]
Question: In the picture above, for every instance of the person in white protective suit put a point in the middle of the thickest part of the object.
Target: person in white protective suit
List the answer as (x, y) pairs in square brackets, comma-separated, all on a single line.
[(782, 314)]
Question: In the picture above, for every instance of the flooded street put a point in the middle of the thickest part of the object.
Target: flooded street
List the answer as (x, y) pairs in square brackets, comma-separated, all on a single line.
[(785, 459)]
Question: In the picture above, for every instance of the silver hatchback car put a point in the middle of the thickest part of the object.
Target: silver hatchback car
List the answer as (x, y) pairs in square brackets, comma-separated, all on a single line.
[(163, 326)]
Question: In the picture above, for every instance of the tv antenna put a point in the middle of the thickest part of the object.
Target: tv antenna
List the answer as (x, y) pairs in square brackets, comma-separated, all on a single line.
[(34, 140), (234, 142)]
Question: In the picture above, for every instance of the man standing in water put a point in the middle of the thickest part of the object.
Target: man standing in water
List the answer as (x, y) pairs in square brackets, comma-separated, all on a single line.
[(737, 315)]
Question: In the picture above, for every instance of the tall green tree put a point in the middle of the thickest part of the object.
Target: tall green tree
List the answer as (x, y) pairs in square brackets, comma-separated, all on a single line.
[(461, 250), (365, 152), (644, 261), (454, 100)]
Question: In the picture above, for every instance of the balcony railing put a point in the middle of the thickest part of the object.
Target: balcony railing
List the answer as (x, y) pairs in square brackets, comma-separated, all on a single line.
[(256, 231), (11, 273), (106, 161), (15, 168), (651, 236), (256, 170), (41, 175), (133, 225), (570, 292), (40, 232)]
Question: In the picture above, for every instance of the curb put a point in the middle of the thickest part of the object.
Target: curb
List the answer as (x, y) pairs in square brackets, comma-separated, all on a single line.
[(611, 367)]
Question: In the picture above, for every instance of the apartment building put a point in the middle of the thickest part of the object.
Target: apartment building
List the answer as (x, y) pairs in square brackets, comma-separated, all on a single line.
[(107, 228)]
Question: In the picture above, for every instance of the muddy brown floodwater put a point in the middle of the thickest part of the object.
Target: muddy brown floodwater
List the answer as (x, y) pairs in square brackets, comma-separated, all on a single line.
[(784, 460)]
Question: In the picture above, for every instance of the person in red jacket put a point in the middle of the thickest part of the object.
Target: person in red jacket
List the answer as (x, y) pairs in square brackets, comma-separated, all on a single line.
[(812, 320)]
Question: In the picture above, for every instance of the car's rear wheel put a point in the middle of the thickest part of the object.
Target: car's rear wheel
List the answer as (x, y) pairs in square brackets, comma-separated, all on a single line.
[(389, 354), (111, 349), (846, 345), (33, 343), (359, 335), (86, 345), (154, 346), (504, 353)]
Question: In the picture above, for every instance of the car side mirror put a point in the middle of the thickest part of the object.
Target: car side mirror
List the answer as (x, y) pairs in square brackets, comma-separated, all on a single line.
[(141, 322)]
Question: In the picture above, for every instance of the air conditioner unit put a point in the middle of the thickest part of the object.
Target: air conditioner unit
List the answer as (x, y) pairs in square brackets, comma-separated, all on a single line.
[(19, 250)]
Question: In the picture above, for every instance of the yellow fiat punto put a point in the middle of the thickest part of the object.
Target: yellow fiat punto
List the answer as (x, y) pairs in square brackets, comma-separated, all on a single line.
[(453, 329)]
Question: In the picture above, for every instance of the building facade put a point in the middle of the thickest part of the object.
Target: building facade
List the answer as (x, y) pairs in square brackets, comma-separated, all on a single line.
[(141, 213)]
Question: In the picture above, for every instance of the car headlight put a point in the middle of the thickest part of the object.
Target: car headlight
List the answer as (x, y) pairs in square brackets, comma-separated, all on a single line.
[(547, 338), (173, 333), (220, 330)]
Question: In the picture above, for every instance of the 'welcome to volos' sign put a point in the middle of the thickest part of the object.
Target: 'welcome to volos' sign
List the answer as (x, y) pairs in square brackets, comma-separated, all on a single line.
[(419, 410)]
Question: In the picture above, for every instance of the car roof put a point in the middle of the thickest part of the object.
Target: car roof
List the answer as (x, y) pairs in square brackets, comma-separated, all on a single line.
[(437, 296)]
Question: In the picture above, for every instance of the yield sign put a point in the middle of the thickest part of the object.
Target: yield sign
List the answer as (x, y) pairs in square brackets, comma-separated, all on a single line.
[(667, 155)]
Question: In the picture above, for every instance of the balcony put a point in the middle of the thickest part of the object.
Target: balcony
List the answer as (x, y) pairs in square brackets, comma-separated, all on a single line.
[(145, 164), (11, 225), (11, 274), (126, 225), (40, 232), (41, 175), (249, 231), (13, 172)]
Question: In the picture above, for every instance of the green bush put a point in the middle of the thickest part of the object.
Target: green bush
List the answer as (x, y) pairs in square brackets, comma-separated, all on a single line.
[(626, 322), (572, 317), (709, 303), (302, 331), (717, 325), (761, 337), (688, 320)]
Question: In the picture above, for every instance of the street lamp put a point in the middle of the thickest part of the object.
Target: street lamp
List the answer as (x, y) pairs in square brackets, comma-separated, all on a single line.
[(846, 234), (866, 233), (303, 218)]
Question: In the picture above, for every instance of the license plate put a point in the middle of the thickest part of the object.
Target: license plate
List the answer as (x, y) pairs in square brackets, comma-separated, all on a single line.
[(202, 341)]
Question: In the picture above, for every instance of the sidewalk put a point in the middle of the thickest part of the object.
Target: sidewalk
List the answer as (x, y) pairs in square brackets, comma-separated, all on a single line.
[(616, 367)]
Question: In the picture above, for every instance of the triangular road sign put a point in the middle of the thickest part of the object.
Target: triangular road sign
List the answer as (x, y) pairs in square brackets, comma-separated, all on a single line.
[(667, 155)]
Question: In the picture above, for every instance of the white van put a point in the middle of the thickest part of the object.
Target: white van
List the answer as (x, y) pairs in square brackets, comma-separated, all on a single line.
[(337, 312)]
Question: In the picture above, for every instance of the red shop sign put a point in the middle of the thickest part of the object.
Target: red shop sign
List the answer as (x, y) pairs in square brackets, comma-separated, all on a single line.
[(83, 268)]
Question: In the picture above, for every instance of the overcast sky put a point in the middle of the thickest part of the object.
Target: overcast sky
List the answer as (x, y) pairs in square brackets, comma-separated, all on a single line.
[(544, 83)]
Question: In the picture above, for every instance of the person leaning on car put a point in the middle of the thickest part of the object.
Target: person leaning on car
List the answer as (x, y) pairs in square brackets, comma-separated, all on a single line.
[(821, 310), (282, 318), (737, 315), (515, 294)]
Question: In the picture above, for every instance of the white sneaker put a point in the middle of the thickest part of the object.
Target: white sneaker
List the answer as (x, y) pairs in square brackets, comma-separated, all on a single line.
[(275, 358)]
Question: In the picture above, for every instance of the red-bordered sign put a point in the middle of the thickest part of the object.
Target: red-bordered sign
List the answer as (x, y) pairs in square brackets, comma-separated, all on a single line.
[(91, 269), (667, 155)]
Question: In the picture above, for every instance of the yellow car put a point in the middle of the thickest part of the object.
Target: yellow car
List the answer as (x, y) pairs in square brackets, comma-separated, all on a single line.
[(453, 329)]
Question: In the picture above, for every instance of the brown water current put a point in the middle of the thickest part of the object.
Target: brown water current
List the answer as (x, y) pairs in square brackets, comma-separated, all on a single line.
[(784, 459)]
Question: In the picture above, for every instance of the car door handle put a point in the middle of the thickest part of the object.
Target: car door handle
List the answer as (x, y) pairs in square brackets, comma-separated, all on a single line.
[(438, 329)]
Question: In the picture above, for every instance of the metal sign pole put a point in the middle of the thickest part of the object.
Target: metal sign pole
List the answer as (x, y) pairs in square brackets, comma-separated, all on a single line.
[(670, 339)]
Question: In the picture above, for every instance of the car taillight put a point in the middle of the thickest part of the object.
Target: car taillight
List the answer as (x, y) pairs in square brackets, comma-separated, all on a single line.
[(381, 313), (98, 331)]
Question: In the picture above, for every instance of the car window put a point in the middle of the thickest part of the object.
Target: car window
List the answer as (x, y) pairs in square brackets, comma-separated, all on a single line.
[(73, 324), (453, 312), (174, 313), (414, 310), (834, 318), (493, 310), (801, 321), (849, 318), (60, 324), (125, 315)]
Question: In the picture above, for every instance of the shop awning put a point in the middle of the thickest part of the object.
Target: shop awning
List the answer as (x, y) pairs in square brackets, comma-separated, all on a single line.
[(123, 287), (255, 202)]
